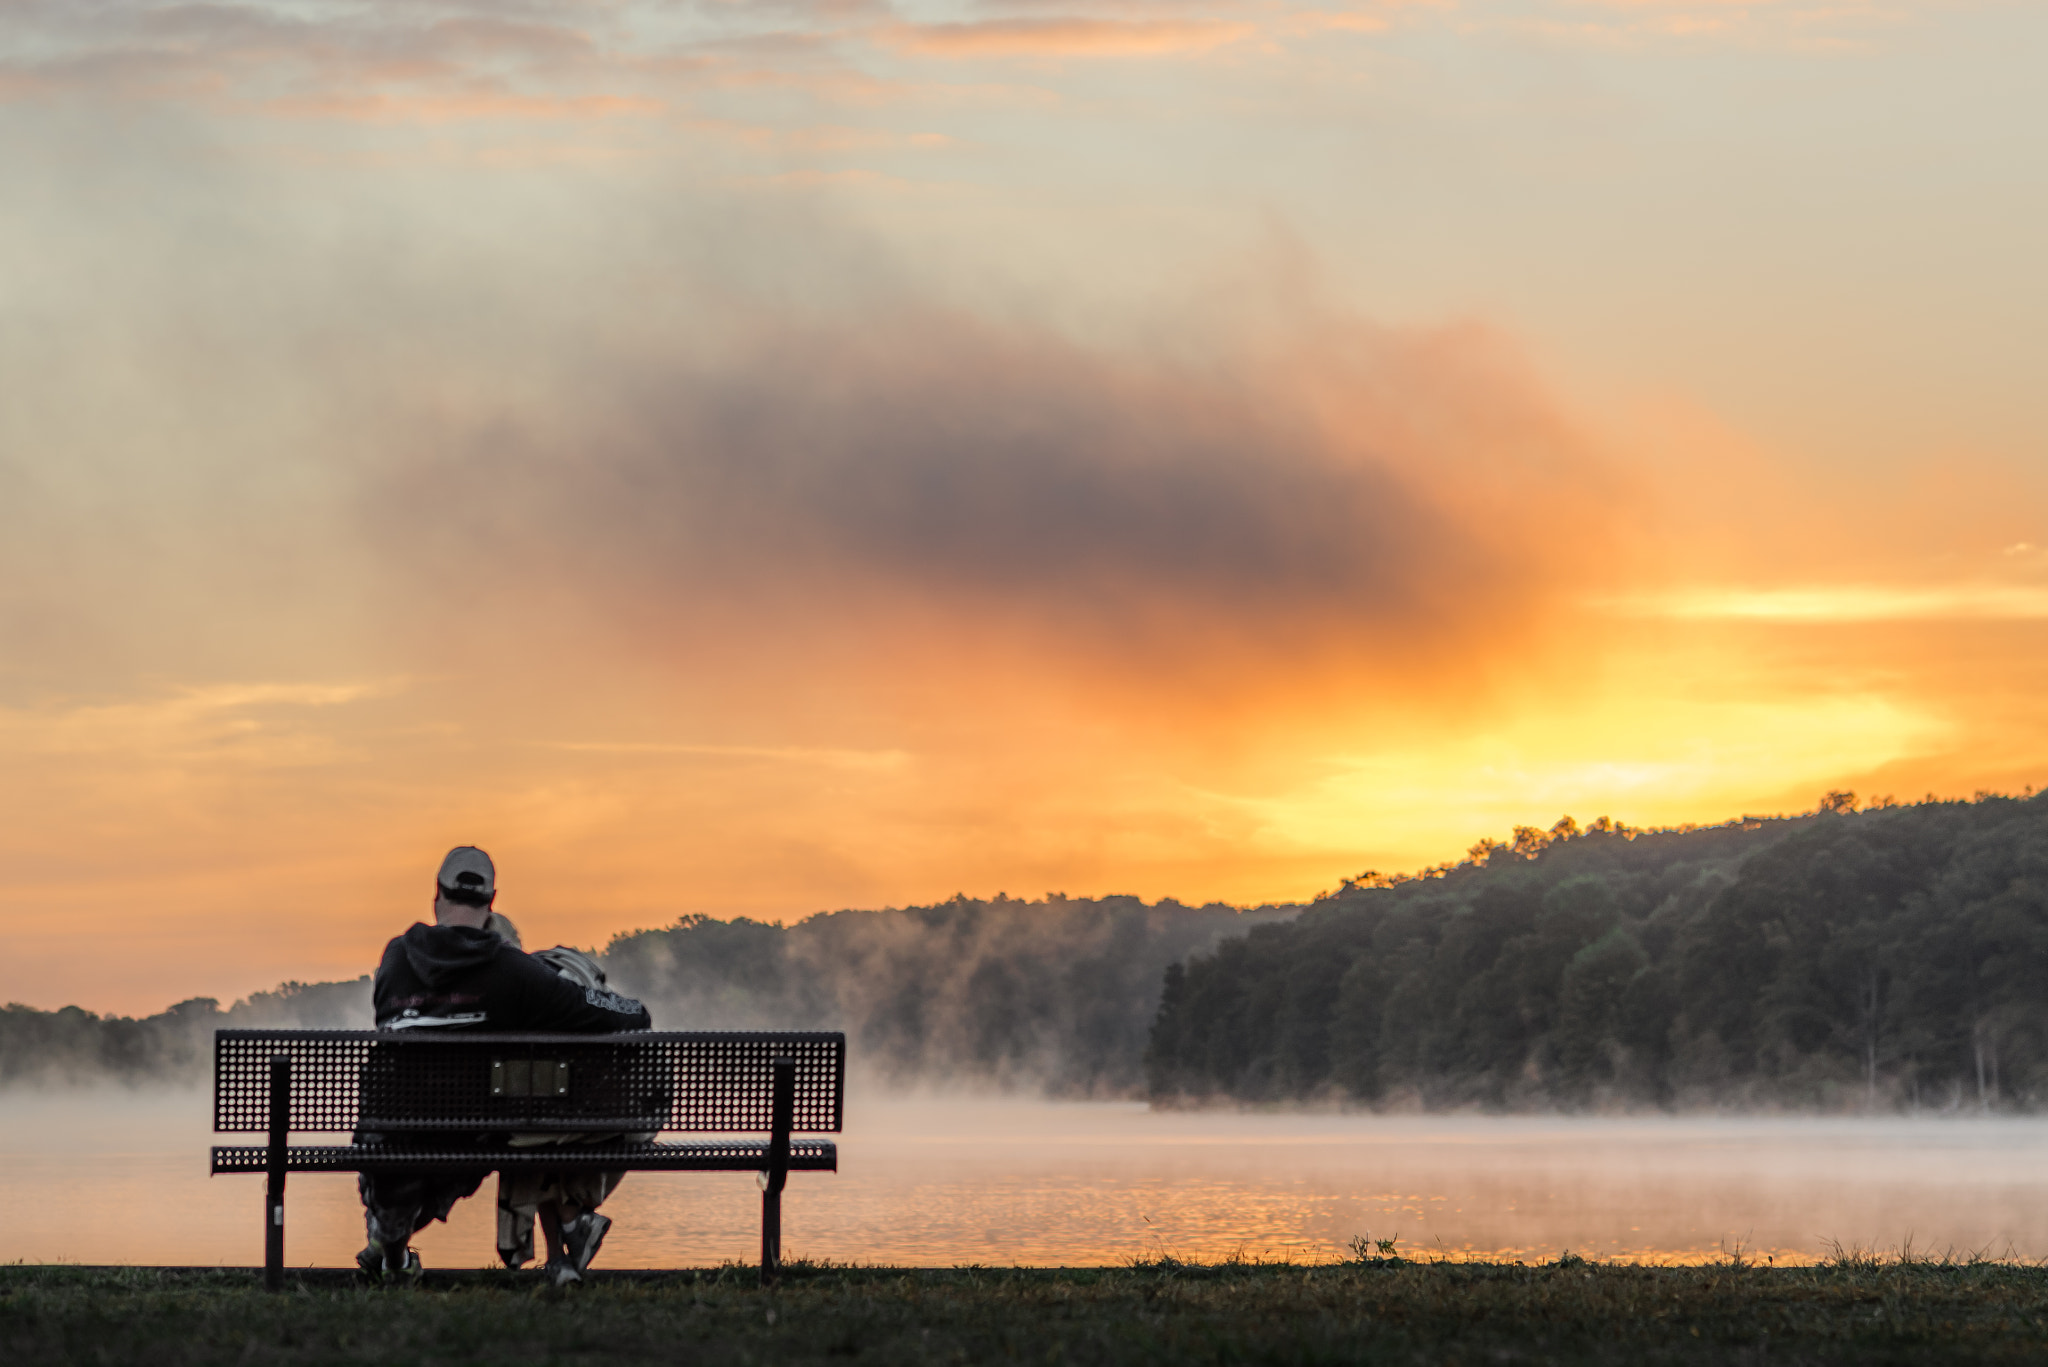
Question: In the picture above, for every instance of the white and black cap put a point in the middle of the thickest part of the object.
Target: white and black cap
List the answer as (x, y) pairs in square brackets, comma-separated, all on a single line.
[(468, 877)]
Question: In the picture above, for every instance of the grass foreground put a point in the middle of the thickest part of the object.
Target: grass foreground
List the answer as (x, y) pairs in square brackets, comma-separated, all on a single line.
[(1850, 1311)]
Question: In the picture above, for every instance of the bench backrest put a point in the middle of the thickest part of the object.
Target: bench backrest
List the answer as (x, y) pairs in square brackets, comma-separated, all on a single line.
[(701, 1081)]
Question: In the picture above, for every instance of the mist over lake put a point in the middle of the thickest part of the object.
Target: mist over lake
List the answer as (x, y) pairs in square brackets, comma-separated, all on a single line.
[(1772, 1038), (109, 1175)]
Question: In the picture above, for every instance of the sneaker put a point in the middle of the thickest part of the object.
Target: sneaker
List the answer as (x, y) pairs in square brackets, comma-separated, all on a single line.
[(581, 1238), (375, 1262)]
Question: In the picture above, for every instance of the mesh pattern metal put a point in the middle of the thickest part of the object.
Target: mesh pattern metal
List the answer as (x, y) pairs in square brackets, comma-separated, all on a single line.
[(805, 1155), (698, 1082), (327, 1068)]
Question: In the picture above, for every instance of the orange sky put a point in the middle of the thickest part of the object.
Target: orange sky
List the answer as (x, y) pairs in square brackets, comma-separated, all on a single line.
[(764, 460)]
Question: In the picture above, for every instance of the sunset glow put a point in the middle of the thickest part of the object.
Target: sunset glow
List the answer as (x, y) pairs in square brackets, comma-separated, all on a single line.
[(757, 460)]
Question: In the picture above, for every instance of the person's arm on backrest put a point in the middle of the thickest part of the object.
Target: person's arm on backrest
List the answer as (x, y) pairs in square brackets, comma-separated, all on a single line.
[(548, 1003)]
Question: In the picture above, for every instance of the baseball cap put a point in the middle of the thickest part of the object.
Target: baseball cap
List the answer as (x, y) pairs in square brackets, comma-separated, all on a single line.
[(468, 877)]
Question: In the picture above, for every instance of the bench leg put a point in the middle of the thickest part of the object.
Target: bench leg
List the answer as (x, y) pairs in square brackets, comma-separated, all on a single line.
[(273, 1198), (771, 1236), (783, 1116)]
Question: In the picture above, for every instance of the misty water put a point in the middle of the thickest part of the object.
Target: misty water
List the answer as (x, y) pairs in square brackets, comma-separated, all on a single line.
[(111, 1176)]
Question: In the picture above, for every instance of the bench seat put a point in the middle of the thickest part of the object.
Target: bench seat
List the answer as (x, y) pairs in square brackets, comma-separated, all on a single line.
[(433, 1092), (805, 1155)]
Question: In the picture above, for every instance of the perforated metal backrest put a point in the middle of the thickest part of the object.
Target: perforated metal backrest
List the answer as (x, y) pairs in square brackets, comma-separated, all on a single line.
[(654, 1080)]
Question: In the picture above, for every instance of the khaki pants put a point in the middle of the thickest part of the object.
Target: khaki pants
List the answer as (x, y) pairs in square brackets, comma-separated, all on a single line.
[(397, 1206), (522, 1194)]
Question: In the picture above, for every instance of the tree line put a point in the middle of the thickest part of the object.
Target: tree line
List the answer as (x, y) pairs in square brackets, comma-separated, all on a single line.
[(1895, 956), (1054, 994), (72, 1044)]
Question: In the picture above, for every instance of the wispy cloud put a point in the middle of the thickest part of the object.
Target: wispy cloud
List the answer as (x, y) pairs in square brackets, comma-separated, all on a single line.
[(445, 61), (1068, 37), (787, 754), (1843, 603), (1777, 24), (440, 60), (259, 724), (430, 109)]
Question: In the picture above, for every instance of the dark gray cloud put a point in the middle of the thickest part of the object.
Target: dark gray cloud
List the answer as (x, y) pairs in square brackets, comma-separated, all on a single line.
[(1357, 494)]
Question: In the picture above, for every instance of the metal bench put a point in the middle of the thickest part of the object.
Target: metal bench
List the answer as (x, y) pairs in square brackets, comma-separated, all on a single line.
[(401, 1091)]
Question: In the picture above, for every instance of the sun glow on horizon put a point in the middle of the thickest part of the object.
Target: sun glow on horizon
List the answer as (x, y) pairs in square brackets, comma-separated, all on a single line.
[(1843, 603)]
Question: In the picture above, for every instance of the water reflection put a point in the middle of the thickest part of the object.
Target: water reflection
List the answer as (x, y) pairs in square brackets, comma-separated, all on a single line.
[(105, 1177)]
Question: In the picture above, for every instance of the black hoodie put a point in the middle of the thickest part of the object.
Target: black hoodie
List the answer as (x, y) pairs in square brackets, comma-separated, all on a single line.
[(461, 978)]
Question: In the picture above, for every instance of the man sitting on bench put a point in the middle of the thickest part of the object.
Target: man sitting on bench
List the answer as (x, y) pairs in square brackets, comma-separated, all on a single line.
[(457, 975)]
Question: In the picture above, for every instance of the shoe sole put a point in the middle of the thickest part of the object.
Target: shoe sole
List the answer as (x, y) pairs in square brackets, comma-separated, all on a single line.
[(583, 1263)]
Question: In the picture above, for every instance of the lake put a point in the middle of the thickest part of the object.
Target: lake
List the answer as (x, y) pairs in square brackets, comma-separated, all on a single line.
[(111, 1176)]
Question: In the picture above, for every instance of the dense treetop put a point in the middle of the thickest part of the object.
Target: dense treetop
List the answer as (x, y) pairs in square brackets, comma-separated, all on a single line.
[(1897, 955)]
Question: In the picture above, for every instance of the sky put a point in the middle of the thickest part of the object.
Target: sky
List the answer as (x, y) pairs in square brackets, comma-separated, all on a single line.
[(761, 459)]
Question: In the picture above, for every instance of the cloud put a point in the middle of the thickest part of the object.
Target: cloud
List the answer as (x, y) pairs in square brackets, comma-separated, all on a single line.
[(1846, 603), (386, 108), (859, 497), (447, 59), (784, 754), (733, 561), (1067, 37), (244, 723), (1313, 21), (444, 60), (438, 62)]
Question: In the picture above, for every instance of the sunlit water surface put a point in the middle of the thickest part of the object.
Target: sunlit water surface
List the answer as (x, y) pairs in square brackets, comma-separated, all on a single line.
[(120, 1177)]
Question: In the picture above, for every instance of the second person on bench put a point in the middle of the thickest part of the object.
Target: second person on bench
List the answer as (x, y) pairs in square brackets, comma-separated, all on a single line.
[(458, 975)]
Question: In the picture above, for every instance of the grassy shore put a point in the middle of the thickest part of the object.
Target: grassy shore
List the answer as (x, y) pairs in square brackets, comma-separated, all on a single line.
[(1851, 1311)]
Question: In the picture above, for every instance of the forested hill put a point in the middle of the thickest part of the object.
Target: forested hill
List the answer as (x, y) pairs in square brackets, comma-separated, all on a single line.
[(1894, 956), (1056, 994), (1841, 960)]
